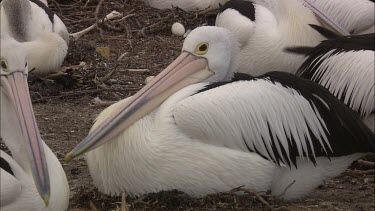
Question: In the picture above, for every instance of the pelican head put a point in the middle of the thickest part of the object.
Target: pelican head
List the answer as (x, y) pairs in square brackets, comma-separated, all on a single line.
[(17, 115), (208, 55)]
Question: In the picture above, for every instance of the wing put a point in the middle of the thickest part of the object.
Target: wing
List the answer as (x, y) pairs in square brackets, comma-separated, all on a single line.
[(356, 16), (47, 21), (10, 186), (345, 66), (41, 20), (60, 28), (27, 20), (279, 116), (325, 19)]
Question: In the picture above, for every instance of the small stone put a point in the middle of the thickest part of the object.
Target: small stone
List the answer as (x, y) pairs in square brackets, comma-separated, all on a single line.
[(148, 79), (113, 81), (325, 204)]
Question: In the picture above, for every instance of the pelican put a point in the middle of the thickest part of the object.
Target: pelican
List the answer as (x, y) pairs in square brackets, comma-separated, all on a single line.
[(41, 32), (187, 5), (265, 28), (345, 66), (32, 179), (356, 16), (200, 129)]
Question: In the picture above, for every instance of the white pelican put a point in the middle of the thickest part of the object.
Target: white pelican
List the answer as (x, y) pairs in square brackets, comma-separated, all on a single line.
[(265, 28), (187, 5), (189, 130), (42, 33), (356, 16), (32, 178), (345, 66)]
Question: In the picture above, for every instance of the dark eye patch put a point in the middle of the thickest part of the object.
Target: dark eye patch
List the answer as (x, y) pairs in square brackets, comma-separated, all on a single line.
[(26, 64)]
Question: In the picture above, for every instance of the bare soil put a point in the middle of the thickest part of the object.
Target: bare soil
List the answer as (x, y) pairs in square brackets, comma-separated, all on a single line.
[(65, 110)]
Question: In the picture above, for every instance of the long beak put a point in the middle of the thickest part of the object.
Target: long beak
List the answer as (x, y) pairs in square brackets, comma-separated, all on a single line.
[(17, 90), (185, 70)]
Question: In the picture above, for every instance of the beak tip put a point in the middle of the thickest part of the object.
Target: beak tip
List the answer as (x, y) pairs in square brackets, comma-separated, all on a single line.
[(68, 157), (46, 200)]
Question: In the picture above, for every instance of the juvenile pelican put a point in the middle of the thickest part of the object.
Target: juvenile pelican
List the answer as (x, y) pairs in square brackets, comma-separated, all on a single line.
[(32, 178), (197, 128), (345, 66), (265, 28), (42, 33)]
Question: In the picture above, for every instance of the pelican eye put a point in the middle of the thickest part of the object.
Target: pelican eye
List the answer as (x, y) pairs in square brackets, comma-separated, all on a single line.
[(4, 64), (201, 48)]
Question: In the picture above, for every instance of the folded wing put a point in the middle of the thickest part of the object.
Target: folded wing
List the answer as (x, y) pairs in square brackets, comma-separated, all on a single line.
[(278, 115)]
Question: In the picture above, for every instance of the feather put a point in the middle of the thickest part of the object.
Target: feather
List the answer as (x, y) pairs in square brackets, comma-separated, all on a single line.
[(326, 19), (344, 66), (325, 32), (278, 115)]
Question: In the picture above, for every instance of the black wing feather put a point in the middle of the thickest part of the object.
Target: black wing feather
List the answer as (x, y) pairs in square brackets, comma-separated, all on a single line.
[(245, 8), (325, 32), (5, 165), (336, 46), (346, 132)]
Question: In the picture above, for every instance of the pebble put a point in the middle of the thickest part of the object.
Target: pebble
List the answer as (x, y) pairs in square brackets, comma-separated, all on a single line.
[(148, 79)]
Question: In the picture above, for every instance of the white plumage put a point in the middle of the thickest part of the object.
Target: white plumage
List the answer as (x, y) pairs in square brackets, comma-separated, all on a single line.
[(189, 130), (345, 66), (18, 191), (265, 28), (183, 146), (350, 77), (274, 105), (42, 33), (20, 180), (46, 54), (356, 16)]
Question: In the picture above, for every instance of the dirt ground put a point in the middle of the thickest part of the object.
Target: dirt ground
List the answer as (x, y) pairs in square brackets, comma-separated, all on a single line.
[(65, 108)]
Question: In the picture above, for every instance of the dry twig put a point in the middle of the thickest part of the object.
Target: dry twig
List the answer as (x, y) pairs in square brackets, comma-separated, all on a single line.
[(253, 192), (366, 163), (85, 92), (98, 22), (110, 16)]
